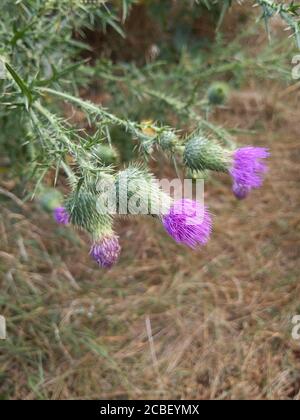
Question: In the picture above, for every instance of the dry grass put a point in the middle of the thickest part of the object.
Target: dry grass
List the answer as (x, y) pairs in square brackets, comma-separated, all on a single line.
[(166, 322)]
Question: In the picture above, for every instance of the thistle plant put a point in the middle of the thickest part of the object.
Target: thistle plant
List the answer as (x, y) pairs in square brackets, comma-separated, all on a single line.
[(41, 43)]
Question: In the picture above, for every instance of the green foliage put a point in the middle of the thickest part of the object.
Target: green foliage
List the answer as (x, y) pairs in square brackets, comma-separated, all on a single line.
[(288, 12)]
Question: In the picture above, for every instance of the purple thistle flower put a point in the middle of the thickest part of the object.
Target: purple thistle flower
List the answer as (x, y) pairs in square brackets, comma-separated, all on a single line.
[(248, 169), (61, 216), (106, 251), (188, 222)]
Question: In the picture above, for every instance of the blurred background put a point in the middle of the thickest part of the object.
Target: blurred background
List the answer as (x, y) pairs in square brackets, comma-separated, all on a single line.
[(166, 322)]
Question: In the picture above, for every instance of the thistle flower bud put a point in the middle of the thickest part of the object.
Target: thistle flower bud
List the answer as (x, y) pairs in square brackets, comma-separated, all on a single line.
[(218, 93), (188, 222), (140, 192), (195, 175), (247, 169), (50, 199), (168, 141), (61, 216), (106, 250), (201, 153), (85, 212), (108, 155)]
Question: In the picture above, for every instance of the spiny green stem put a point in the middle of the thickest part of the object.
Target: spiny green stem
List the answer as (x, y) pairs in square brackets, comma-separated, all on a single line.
[(100, 111), (68, 171), (178, 105), (82, 156), (287, 12), (134, 127)]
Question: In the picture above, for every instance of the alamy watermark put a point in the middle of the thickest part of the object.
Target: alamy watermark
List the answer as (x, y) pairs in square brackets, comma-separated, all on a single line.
[(149, 197), (2, 69), (2, 328), (296, 68), (296, 329)]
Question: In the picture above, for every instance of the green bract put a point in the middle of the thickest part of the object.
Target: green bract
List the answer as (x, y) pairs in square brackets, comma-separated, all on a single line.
[(201, 153), (106, 154), (218, 93), (87, 212), (50, 199)]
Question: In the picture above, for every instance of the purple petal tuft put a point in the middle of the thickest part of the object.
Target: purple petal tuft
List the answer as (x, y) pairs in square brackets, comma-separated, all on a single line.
[(240, 191), (188, 222), (106, 251), (61, 216), (248, 169)]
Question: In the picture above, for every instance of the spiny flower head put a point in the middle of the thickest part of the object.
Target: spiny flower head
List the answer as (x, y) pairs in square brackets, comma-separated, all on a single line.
[(248, 169), (139, 192), (89, 213), (245, 164), (106, 250), (105, 155), (61, 216), (168, 141), (188, 222), (202, 153), (86, 212)]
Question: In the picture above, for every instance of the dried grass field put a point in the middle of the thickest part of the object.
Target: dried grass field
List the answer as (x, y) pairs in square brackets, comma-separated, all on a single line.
[(166, 322)]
